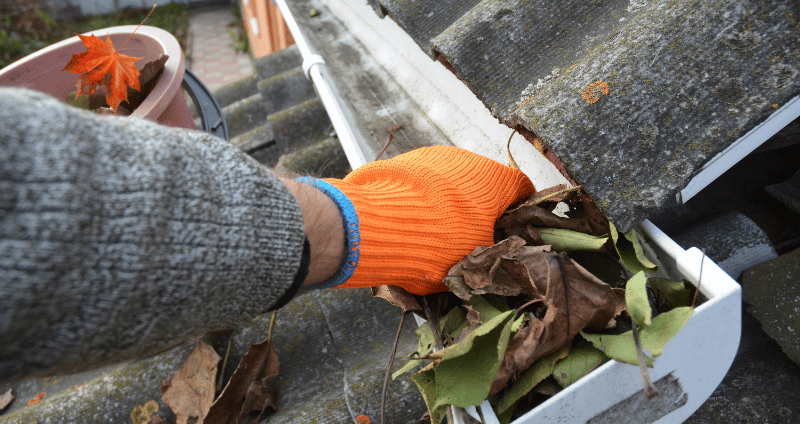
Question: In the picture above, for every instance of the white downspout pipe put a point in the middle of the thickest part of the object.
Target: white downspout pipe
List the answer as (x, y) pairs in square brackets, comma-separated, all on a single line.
[(314, 69)]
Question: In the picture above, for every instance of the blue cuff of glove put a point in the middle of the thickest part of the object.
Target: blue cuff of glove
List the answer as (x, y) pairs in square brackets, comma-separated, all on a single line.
[(350, 227)]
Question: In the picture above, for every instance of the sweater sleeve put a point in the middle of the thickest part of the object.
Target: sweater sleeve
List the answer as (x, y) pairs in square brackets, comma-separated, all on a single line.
[(120, 237)]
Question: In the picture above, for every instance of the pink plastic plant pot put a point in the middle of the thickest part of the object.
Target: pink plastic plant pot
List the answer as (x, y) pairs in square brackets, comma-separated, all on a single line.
[(42, 71)]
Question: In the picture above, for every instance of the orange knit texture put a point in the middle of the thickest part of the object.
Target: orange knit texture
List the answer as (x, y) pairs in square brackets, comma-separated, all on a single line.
[(421, 212)]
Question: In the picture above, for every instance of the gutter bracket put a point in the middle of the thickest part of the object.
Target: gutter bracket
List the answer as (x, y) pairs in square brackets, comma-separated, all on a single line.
[(309, 62)]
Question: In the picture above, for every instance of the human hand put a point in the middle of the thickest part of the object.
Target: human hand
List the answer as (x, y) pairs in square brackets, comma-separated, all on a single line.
[(418, 214)]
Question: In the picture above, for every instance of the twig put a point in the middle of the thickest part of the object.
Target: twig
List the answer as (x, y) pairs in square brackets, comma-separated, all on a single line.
[(225, 362), (137, 28), (699, 278), (389, 366), (385, 145), (529, 303), (271, 324), (649, 389), (551, 195), (511, 162), (434, 323)]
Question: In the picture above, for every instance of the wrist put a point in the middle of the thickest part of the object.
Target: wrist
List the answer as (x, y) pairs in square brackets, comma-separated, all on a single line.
[(325, 230)]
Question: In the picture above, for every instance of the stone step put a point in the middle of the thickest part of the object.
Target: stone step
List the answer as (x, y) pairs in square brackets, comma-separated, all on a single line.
[(324, 159), (285, 90)]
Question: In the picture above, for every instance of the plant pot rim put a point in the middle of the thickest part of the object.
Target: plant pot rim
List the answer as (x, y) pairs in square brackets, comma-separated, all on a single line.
[(145, 38)]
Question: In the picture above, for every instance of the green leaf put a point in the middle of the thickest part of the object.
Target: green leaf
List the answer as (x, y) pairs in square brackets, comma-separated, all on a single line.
[(505, 416), (630, 251), (580, 361), (518, 323), (637, 302), (620, 347), (465, 373), (531, 377), (426, 382), (486, 310), (452, 323), (426, 340), (425, 346), (675, 292), (567, 240), (405, 368)]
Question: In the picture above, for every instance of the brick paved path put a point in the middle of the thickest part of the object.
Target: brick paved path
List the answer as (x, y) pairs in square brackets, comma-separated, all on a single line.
[(213, 59)]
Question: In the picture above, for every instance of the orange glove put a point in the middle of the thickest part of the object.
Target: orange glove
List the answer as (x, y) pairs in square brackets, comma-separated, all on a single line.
[(418, 214)]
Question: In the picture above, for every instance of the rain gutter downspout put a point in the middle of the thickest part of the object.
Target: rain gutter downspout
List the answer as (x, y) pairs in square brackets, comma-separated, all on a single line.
[(315, 70)]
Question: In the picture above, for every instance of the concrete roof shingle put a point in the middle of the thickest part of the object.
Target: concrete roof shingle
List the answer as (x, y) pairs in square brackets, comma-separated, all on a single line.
[(634, 97)]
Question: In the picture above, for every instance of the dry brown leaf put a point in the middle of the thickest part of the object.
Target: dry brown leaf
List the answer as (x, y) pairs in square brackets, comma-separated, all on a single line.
[(190, 392), (548, 387), (473, 320), (157, 419), (583, 216), (247, 385), (620, 301), (575, 300), (581, 207), (258, 398), (539, 195), (397, 296), (148, 77), (534, 235), (6, 399), (482, 272), (541, 217)]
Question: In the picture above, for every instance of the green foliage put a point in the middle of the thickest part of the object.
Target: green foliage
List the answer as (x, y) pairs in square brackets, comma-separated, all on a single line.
[(485, 309), (450, 324), (534, 375), (467, 369), (636, 300), (622, 348), (567, 240), (580, 361), (28, 32), (426, 382), (674, 292), (239, 39), (630, 251), (464, 374)]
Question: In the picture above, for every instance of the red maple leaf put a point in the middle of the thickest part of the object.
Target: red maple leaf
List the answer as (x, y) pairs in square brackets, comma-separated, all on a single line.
[(99, 65)]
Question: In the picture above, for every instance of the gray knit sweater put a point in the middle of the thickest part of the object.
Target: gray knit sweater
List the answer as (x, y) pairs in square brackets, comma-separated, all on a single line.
[(120, 237)]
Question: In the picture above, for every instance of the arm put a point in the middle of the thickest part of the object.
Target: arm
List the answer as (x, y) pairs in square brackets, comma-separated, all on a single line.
[(120, 237)]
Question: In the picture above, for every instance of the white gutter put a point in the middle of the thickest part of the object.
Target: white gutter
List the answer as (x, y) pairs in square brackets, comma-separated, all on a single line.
[(314, 69), (742, 147)]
